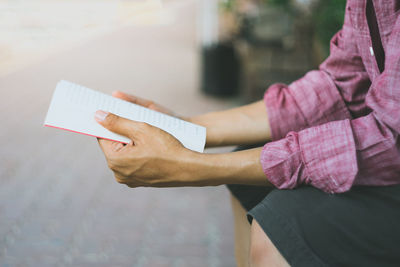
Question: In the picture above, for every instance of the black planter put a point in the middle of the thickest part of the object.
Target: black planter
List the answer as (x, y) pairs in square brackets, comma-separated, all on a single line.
[(220, 70)]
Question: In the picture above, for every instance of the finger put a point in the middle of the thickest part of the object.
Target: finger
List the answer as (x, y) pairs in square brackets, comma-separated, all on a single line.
[(107, 146), (112, 146), (118, 124), (132, 185), (133, 99), (117, 146)]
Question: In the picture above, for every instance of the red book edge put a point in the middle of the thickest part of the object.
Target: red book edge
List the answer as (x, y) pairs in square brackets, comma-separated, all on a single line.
[(51, 126)]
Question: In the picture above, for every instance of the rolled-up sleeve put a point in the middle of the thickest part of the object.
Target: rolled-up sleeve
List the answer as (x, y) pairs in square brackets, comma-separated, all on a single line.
[(328, 130), (323, 156), (335, 156)]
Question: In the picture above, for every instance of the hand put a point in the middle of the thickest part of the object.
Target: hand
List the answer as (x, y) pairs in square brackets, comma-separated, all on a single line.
[(151, 159), (145, 103)]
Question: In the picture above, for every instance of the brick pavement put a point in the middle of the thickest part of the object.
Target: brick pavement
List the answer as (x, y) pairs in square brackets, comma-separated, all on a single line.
[(59, 204)]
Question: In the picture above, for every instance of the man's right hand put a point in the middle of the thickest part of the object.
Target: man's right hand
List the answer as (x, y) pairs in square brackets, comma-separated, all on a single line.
[(238, 126), (144, 103)]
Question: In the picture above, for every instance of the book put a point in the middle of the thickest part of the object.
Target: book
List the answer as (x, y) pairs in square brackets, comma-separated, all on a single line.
[(73, 106)]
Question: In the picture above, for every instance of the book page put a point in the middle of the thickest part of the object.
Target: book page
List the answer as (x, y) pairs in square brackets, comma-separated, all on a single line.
[(73, 106)]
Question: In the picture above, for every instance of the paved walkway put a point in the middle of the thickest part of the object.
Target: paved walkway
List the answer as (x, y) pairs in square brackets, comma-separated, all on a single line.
[(48, 26), (59, 204)]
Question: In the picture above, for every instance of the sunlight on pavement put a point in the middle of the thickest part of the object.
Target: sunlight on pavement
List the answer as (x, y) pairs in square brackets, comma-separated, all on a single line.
[(33, 29)]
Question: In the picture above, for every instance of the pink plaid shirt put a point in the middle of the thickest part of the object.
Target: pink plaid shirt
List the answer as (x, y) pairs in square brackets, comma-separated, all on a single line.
[(339, 126)]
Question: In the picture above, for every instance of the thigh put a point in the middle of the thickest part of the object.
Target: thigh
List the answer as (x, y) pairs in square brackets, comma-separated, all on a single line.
[(312, 228), (242, 233)]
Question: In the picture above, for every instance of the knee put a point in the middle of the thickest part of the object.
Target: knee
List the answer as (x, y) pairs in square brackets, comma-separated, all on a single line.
[(257, 255), (259, 252), (262, 250)]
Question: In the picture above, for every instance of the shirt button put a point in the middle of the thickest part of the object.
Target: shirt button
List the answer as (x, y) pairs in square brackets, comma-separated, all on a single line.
[(371, 50)]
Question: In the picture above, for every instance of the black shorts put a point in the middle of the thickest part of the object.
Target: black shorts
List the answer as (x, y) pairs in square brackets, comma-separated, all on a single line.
[(311, 228)]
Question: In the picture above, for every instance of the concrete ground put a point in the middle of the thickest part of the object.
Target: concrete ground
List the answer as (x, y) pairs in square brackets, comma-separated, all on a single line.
[(59, 204)]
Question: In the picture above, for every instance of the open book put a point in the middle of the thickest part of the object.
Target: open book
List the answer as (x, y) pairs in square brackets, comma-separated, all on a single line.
[(73, 106)]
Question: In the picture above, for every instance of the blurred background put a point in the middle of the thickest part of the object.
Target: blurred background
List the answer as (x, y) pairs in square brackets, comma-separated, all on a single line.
[(59, 203)]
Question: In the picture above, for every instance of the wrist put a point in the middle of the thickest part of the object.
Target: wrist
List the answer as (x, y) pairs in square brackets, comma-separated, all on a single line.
[(243, 167), (194, 169), (214, 137)]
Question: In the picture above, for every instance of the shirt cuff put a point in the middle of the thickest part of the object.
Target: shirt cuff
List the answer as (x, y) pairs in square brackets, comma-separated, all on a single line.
[(323, 156)]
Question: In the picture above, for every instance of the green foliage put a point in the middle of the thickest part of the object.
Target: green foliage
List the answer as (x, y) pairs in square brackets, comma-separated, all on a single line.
[(227, 5), (284, 3), (328, 18)]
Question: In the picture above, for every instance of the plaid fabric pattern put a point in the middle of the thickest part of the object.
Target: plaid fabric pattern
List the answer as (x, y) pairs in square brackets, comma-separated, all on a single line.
[(338, 126)]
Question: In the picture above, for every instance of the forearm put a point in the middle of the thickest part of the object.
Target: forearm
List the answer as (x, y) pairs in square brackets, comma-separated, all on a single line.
[(242, 167), (243, 125)]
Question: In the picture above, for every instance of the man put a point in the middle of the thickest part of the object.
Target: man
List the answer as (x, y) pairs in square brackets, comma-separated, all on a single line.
[(332, 138)]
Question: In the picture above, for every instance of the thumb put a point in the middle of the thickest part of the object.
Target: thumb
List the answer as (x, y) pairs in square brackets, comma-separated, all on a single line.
[(117, 124)]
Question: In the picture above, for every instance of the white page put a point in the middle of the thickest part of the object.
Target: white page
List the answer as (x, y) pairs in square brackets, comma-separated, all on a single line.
[(73, 107)]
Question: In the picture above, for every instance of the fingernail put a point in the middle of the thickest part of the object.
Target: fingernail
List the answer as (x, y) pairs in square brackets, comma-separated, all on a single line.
[(100, 115)]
